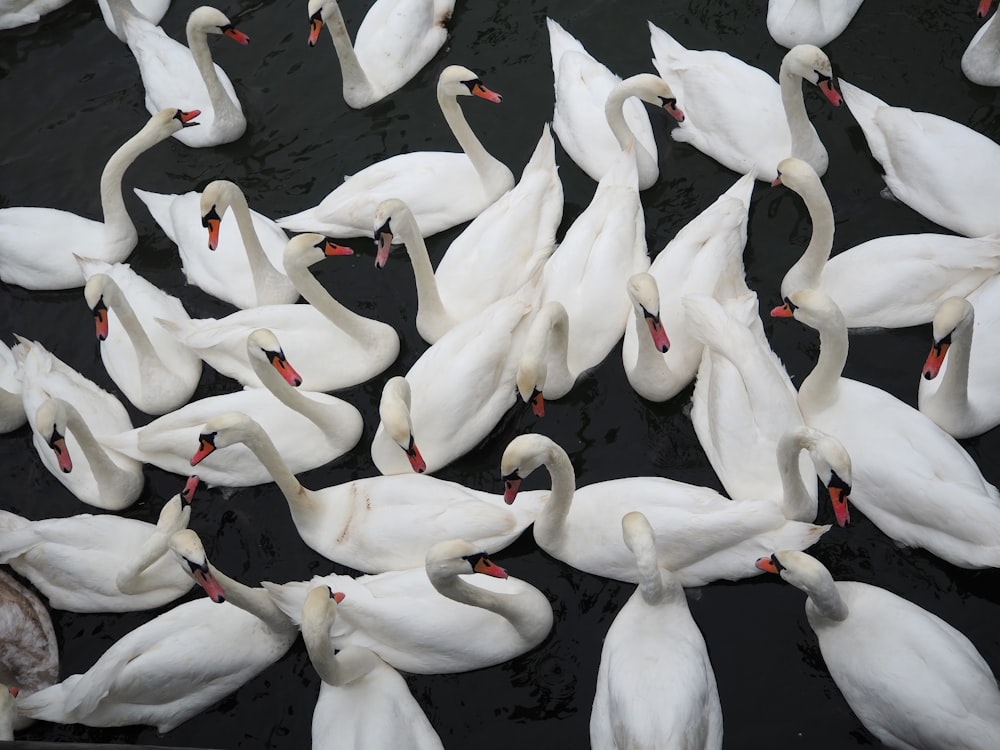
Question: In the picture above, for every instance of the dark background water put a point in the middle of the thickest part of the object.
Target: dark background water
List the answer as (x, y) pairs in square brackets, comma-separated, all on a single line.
[(71, 94)]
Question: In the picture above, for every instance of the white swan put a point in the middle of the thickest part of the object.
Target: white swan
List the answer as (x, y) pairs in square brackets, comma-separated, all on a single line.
[(29, 650), (981, 60), (819, 22), (396, 39), (378, 523), (596, 114), (585, 278), (903, 463), (958, 392), (8, 711), (363, 702), (332, 346), (460, 389), (35, 247), (12, 413), (435, 619), (655, 685), (70, 418), (151, 368), (240, 257), (179, 663), (744, 405), (311, 428), (940, 168), (704, 257), (912, 679), (441, 188), (718, 91), (700, 535), (886, 282), (100, 563), (500, 251), (22, 12), (175, 75), (152, 10)]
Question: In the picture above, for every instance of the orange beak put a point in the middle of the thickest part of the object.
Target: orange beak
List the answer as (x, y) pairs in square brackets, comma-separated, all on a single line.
[(838, 496), (829, 91), (537, 402), (212, 222), (235, 34), (315, 25), (511, 484), (935, 359), (767, 564), (984, 8), (656, 330), (101, 319), (417, 462), (285, 369), (783, 311), (482, 564), (58, 445), (206, 444), (481, 91)]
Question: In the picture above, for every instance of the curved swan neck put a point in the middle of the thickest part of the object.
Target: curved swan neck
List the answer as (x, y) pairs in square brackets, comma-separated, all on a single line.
[(147, 357), (810, 266), (556, 508), (256, 601), (352, 663), (300, 500), (129, 579), (316, 412), (316, 295), (824, 598), (433, 320), (615, 114), (487, 167), (820, 387), (222, 105), (262, 271), (803, 136), (102, 466), (357, 88), (797, 504), (954, 387), (118, 224), (504, 605)]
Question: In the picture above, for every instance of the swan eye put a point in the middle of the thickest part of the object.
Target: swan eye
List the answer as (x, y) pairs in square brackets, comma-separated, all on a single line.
[(837, 483), (474, 84), (821, 78), (207, 440), (792, 307), (56, 442)]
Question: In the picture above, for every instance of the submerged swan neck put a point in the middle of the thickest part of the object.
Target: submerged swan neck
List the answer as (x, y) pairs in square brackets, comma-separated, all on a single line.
[(358, 90)]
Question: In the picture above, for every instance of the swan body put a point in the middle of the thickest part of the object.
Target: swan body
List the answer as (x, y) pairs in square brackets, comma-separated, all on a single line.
[(459, 388), (22, 12), (37, 244), (441, 188), (886, 282), (700, 535), (718, 90), (102, 563), (743, 401), (179, 663), (12, 413), (956, 391), (655, 684), (396, 39), (376, 523), (584, 310), (941, 169), (705, 257), (981, 60), (175, 75), (912, 679), (819, 22), (151, 368), (29, 650), (332, 346), (500, 251), (597, 114), (238, 260), (152, 10), (903, 463), (70, 418), (311, 429), (435, 619), (363, 702)]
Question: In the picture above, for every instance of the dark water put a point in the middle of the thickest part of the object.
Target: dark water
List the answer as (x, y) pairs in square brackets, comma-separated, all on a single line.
[(71, 94)]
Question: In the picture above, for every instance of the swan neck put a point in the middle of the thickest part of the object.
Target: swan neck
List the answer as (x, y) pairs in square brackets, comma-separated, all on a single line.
[(356, 86), (954, 387), (256, 601), (820, 387), (104, 469), (797, 504), (504, 605), (147, 356), (615, 114), (825, 598), (801, 130), (222, 105), (129, 579), (556, 508), (316, 295), (118, 224), (300, 499), (261, 269), (487, 167), (817, 252), (433, 319)]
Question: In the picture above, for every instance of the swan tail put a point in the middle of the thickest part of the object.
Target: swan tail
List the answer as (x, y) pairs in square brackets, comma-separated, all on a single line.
[(561, 42), (543, 158), (742, 189), (864, 107), (289, 597), (15, 537), (666, 49), (723, 330), (49, 704), (158, 206)]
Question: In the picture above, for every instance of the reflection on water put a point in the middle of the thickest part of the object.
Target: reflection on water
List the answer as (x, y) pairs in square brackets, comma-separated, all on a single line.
[(72, 95)]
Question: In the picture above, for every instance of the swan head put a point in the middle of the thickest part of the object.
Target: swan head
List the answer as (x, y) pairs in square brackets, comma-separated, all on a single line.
[(546, 339), (798, 175), (394, 411), (954, 315), (812, 307), (209, 20), (263, 347), (316, 20), (456, 80), (388, 215), (812, 64), (651, 89), (458, 557), (215, 200), (223, 430), (805, 572), (168, 121), (833, 466), (303, 250), (319, 609), (93, 292), (176, 512), (187, 545), (645, 295), (50, 423), (523, 455)]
